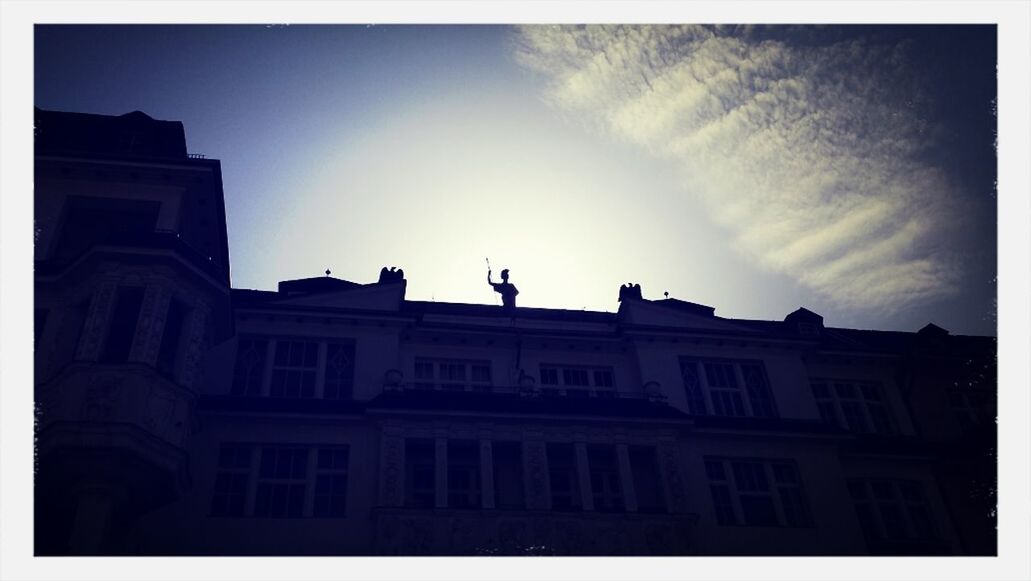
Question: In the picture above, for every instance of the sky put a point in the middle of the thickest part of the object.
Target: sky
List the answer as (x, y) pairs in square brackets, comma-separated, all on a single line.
[(756, 169)]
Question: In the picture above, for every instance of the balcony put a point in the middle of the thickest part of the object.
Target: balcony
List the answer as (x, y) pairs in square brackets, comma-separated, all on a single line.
[(400, 531), (120, 240)]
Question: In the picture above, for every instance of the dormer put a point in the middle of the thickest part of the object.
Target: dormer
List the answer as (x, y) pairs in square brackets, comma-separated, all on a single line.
[(804, 322)]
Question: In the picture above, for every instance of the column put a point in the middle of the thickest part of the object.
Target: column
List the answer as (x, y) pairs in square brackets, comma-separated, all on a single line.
[(97, 319), (194, 332), (626, 478), (440, 473), (150, 327), (584, 474), (672, 474), (392, 467), (535, 474), (486, 473)]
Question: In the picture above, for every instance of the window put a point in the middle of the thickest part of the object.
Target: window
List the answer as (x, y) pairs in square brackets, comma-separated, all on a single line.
[(69, 332), (95, 220), (565, 485), (234, 470), (727, 387), (508, 475), (969, 407), (577, 381), (339, 371), (39, 323), (604, 471), (280, 481), (290, 368), (250, 366), (856, 406), (420, 473), (331, 482), (892, 509), (293, 369), (452, 375), (170, 337), (644, 466), (463, 474), (122, 327), (757, 493)]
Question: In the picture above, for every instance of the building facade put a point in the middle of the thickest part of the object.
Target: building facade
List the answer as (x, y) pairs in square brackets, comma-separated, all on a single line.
[(177, 415)]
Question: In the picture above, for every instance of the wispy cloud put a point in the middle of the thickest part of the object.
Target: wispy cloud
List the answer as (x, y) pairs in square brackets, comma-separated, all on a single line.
[(810, 151)]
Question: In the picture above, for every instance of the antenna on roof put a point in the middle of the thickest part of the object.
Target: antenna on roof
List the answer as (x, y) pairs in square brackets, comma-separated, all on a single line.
[(327, 272), (666, 294)]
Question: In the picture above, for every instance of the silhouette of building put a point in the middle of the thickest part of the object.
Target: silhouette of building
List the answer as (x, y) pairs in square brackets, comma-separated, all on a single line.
[(180, 416)]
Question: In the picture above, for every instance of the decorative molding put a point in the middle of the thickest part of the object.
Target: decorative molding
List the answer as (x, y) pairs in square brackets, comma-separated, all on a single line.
[(97, 318)]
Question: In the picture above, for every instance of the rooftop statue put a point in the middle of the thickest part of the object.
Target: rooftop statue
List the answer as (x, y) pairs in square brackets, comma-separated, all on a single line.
[(507, 290)]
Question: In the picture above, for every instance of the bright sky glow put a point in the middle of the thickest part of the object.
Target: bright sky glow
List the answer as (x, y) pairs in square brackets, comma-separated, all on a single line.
[(752, 169)]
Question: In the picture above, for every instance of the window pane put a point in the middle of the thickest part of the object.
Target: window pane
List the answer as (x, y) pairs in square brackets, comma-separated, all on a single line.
[(122, 326), (420, 468), (644, 466), (565, 488), (758, 510), (692, 386), (508, 475)]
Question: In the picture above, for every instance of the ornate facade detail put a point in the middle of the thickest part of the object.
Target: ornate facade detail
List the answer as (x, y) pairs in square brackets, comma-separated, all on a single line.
[(674, 478), (151, 324), (195, 335), (159, 414), (97, 318), (392, 461)]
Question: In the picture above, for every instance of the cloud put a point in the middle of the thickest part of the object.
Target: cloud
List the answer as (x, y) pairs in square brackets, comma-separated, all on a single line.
[(808, 148)]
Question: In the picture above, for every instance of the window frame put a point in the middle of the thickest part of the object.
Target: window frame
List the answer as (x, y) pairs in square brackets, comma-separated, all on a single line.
[(254, 479), (905, 505), (730, 497), (752, 398), (269, 367), (837, 402), (562, 386), (466, 383)]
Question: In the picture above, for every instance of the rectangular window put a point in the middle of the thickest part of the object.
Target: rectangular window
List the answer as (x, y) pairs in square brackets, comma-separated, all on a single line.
[(558, 380), (234, 471), (282, 480), (122, 327), (452, 375), (339, 381), (250, 366), (725, 387), (170, 337), (892, 510), (294, 368), (70, 332), (644, 465), (508, 475), (855, 406), (94, 220), (969, 407), (603, 468), (757, 492), (565, 485), (331, 482), (420, 473), (463, 474), (288, 481)]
